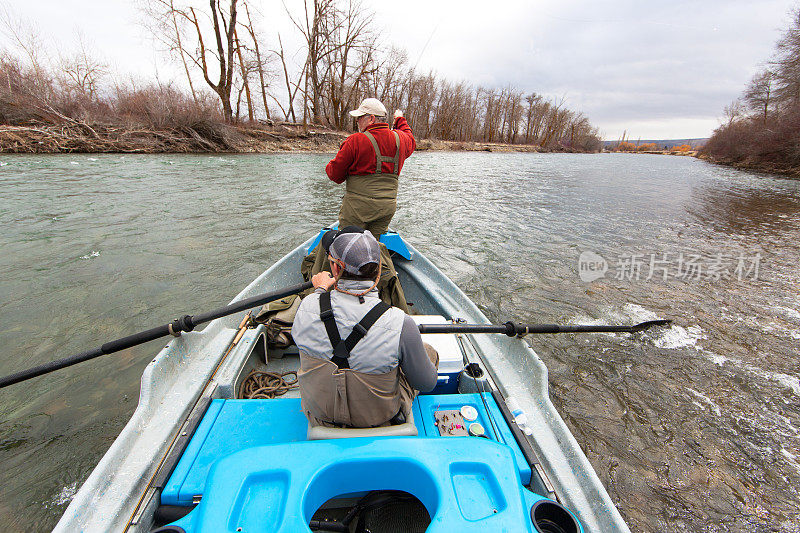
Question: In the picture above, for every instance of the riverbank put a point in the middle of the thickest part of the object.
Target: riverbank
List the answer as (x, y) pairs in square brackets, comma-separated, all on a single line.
[(750, 164), (689, 153), (210, 137), (754, 165)]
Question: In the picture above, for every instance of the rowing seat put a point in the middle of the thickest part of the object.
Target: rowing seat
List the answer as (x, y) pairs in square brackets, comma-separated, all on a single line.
[(400, 430)]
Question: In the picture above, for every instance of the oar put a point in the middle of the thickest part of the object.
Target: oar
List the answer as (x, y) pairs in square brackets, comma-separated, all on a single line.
[(512, 330), (185, 323)]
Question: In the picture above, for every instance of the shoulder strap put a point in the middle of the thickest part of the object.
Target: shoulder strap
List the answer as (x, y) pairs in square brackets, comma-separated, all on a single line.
[(378, 156), (326, 314), (342, 349)]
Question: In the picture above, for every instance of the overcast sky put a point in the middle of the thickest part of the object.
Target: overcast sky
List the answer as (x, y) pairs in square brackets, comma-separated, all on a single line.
[(656, 69)]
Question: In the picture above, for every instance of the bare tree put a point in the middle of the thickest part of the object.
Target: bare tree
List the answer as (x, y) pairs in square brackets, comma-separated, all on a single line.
[(315, 28), (292, 87), (27, 39), (349, 61), (162, 19), (245, 85), (82, 71), (759, 93), (531, 100), (512, 114), (388, 82), (259, 59), (224, 25), (734, 111), (786, 65), (220, 23)]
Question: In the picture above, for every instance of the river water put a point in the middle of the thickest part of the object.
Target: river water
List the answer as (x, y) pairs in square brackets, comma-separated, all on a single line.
[(691, 428)]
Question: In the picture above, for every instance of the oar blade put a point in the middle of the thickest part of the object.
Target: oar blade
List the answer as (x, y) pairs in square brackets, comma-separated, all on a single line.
[(650, 324)]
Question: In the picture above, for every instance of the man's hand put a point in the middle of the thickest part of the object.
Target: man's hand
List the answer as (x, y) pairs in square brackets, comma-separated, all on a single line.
[(398, 113), (322, 279)]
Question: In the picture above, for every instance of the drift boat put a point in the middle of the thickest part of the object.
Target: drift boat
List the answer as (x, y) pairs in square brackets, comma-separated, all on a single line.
[(484, 451)]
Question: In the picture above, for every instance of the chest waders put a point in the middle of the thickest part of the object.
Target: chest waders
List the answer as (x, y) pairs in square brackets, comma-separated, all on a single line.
[(371, 200), (334, 395)]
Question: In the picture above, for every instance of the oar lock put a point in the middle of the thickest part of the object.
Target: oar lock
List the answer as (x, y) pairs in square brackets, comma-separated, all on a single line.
[(514, 330), (184, 323)]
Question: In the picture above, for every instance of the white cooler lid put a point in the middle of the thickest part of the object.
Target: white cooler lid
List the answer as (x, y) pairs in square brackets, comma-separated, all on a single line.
[(451, 360)]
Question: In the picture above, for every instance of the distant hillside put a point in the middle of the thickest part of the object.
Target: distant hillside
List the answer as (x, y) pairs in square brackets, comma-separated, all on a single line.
[(662, 144)]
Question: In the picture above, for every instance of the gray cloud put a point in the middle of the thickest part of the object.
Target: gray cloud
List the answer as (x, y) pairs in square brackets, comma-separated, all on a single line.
[(655, 69), (680, 62)]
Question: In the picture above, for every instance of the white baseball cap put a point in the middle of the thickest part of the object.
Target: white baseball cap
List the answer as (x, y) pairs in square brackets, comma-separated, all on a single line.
[(370, 106)]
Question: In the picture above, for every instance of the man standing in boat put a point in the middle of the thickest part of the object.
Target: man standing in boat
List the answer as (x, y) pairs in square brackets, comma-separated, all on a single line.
[(369, 163), (360, 359)]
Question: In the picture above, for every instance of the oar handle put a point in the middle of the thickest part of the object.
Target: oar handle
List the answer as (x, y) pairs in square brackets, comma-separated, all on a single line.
[(185, 323)]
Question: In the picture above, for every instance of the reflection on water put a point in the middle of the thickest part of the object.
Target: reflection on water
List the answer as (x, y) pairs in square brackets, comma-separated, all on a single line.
[(694, 428), (744, 210)]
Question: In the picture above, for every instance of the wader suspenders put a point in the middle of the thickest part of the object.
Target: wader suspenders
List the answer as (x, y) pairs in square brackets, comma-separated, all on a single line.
[(342, 348), (380, 158)]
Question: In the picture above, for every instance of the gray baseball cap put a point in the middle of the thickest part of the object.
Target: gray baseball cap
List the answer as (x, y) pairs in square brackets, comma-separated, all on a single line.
[(353, 246)]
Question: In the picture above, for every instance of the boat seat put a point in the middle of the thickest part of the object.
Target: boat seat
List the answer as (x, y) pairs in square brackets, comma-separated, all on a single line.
[(401, 430), (467, 484)]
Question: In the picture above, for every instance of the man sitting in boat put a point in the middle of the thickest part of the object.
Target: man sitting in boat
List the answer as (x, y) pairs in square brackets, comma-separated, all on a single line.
[(360, 359), (370, 161)]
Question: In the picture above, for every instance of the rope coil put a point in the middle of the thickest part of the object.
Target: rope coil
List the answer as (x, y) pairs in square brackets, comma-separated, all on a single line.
[(267, 385)]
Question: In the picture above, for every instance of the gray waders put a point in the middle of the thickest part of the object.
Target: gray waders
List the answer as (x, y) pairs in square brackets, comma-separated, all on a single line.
[(370, 201)]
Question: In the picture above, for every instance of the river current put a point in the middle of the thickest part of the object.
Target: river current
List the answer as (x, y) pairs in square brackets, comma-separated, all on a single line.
[(695, 427)]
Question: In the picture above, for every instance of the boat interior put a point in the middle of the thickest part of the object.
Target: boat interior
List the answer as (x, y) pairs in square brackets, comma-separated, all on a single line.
[(460, 463)]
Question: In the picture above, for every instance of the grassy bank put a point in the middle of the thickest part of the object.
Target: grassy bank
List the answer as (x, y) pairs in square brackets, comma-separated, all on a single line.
[(768, 143), (762, 133)]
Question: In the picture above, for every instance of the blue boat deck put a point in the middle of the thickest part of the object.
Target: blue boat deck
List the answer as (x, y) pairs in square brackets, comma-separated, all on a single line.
[(230, 426), (251, 467)]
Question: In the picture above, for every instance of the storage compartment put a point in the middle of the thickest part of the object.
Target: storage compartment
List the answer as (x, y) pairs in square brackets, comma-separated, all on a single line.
[(451, 359)]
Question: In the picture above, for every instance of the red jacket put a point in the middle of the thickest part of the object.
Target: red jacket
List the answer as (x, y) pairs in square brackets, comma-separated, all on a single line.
[(356, 155)]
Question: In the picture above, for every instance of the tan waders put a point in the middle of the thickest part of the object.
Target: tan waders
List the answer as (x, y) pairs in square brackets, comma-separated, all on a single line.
[(370, 201), (336, 397)]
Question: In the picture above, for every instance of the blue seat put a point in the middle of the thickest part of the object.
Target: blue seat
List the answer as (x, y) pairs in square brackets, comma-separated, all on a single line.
[(466, 484), (391, 239), (227, 427)]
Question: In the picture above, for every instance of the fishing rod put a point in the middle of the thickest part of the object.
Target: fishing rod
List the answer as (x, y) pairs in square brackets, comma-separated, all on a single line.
[(520, 330), (174, 328)]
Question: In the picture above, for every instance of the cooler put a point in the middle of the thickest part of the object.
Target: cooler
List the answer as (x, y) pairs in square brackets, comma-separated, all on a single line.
[(451, 360)]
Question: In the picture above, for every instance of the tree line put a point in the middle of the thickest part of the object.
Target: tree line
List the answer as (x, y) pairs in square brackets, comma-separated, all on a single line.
[(237, 75), (762, 128), (344, 61)]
